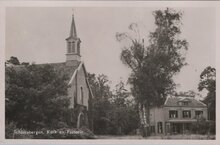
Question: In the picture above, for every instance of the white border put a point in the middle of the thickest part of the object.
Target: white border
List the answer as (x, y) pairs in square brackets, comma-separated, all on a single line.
[(4, 4)]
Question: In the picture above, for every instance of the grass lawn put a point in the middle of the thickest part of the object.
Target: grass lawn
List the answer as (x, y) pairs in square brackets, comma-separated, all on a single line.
[(177, 137)]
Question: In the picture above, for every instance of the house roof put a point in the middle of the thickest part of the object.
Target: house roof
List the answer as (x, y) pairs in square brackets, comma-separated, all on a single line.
[(192, 102)]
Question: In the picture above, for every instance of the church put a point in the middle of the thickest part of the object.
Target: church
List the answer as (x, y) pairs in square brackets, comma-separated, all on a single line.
[(80, 109), (79, 90)]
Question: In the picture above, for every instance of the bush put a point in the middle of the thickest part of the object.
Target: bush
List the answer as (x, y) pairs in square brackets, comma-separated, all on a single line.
[(11, 129), (203, 126)]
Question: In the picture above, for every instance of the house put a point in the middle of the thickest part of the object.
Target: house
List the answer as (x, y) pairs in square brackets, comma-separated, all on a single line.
[(176, 115)]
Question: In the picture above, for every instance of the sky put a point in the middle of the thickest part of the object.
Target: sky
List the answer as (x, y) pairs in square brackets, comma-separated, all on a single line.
[(35, 34)]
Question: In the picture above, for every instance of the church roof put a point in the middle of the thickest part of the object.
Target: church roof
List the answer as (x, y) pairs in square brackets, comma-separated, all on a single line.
[(192, 102), (59, 67), (63, 68)]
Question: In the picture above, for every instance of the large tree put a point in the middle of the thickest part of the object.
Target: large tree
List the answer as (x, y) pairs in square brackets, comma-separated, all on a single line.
[(35, 97), (154, 66), (208, 83)]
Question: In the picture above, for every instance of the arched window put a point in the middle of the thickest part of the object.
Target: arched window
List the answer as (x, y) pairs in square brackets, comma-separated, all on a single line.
[(82, 97)]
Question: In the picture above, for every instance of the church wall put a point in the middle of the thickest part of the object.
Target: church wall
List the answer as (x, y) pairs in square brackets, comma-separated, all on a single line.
[(72, 93), (81, 82)]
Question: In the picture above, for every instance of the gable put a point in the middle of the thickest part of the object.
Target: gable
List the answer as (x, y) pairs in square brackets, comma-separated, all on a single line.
[(81, 67)]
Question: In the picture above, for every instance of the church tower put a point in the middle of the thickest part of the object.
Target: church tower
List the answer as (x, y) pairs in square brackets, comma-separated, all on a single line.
[(73, 46)]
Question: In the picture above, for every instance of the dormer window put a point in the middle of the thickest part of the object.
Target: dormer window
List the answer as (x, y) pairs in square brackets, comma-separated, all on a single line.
[(180, 103), (185, 103)]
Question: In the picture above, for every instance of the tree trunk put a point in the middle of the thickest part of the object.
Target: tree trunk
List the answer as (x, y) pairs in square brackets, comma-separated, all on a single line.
[(143, 114)]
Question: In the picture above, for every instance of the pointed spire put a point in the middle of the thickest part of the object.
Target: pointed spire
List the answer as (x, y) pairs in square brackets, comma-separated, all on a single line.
[(73, 28), (73, 45)]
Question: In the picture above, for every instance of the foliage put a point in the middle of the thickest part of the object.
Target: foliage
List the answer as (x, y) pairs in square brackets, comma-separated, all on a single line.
[(208, 82), (13, 60), (154, 66), (124, 114), (9, 132), (201, 126), (101, 104), (190, 93), (114, 113), (35, 97)]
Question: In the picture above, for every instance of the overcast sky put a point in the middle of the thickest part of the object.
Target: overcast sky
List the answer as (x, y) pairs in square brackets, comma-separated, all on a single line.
[(38, 35)]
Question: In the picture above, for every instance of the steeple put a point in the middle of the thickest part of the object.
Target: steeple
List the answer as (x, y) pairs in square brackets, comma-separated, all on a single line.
[(73, 45), (73, 28)]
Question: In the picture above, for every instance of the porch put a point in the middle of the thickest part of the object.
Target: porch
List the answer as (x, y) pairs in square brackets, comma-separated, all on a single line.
[(179, 126)]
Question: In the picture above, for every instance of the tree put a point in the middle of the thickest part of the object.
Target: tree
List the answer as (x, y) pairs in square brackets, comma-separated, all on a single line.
[(13, 60), (101, 102), (189, 93), (36, 97), (124, 113), (208, 82), (114, 111), (154, 66)]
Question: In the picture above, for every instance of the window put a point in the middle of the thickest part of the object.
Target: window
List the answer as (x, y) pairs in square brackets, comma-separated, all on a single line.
[(73, 47), (159, 127), (69, 47), (81, 90), (198, 113), (186, 114), (173, 114), (185, 103), (180, 103), (78, 48)]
